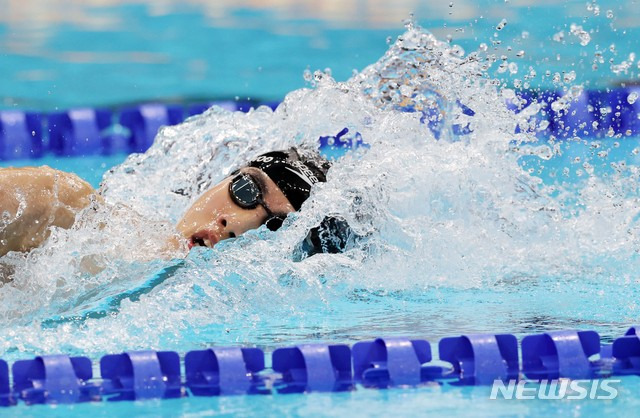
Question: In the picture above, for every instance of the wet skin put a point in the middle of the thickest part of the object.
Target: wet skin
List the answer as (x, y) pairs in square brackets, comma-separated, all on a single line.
[(215, 216), (32, 199)]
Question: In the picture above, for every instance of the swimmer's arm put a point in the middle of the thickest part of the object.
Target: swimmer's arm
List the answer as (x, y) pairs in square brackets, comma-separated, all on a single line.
[(34, 198)]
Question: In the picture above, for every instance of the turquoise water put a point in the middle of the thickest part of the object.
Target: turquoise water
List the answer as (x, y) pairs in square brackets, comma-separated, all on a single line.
[(467, 401), (119, 52), (467, 234)]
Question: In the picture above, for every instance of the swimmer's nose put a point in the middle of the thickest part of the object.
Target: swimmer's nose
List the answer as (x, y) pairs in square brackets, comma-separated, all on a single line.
[(224, 228)]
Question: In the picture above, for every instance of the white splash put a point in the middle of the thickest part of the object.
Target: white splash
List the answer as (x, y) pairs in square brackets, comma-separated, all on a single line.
[(459, 212)]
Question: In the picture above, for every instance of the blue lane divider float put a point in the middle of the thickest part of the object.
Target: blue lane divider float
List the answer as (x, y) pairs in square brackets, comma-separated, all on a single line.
[(20, 135), (141, 375), (98, 131), (224, 371), (54, 379), (592, 113), (313, 367), (6, 395), (626, 351), (144, 122), (384, 362), (560, 354), (482, 358), (78, 131), (86, 131), (390, 361)]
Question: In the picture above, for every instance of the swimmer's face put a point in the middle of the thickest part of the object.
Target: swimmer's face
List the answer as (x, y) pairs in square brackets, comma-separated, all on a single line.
[(215, 216)]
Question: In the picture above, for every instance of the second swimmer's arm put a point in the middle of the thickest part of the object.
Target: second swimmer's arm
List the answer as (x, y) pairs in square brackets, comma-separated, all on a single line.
[(34, 198)]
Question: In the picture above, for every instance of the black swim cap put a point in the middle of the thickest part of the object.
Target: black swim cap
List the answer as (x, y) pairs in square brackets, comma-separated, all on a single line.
[(294, 173)]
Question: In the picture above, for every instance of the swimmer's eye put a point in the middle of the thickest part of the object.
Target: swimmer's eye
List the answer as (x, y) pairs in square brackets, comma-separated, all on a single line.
[(245, 191)]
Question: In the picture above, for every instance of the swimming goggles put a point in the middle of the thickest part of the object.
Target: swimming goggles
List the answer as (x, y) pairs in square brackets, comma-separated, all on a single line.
[(246, 193)]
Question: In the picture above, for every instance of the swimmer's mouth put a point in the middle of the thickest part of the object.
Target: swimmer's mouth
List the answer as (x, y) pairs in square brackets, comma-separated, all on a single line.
[(202, 242)]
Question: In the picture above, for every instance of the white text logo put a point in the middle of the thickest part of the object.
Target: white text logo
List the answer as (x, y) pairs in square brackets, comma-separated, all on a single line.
[(555, 389)]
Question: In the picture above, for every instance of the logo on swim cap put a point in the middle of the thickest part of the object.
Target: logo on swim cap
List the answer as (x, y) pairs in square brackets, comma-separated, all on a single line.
[(264, 159), (308, 174), (293, 173)]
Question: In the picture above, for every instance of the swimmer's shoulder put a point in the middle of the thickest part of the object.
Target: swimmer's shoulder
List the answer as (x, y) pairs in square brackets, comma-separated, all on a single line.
[(32, 199), (67, 186)]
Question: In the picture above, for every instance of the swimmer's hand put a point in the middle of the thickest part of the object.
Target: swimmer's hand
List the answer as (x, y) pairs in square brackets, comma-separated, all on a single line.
[(175, 246), (32, 199), (332, 236)]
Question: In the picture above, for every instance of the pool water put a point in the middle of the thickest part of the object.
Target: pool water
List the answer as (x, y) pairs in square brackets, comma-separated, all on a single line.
[(484, 232), (142, 50), (460, 401)]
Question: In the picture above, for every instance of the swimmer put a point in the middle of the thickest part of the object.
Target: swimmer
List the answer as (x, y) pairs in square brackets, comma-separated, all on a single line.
[(264, 192)]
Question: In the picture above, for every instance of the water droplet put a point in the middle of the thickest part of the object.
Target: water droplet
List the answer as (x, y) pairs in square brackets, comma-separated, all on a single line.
[(582, 35), (409, 24), (632, 97), (513, 68), (508, 94), (570, 76), (559, 37), (457, 51), (609, 14), (520, 54), (502, 24), (543, 125), (406, 91), (524, 34), (451, 4)]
